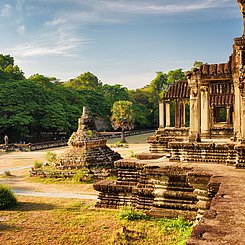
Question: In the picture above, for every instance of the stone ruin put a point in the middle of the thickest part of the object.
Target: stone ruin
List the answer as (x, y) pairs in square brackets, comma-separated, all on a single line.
[(160, 189), (87, 148), (201, 119)]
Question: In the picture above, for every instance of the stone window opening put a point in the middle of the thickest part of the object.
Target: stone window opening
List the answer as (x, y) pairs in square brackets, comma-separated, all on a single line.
[(220, 114)]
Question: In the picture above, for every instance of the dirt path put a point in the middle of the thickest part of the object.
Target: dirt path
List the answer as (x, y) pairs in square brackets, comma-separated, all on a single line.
[(19, 163)]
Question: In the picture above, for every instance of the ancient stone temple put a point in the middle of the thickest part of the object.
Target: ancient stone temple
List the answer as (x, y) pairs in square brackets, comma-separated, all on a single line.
[(87, 148), (214, 99), (201, 120)]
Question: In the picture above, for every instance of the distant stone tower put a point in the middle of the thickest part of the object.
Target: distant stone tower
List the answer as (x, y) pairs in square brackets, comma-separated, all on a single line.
[(87, 148)]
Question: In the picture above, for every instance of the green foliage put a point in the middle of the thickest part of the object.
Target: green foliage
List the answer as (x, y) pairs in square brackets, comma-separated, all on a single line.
[(43, 104), (176, 75), (8, 70), (83, 175), (38, 164), (87, 81), (51, 157), (119, 144), (122, 115), (90, 134), (132, 154), (114, 93), (7, 198), (182, 228), (128, 214)]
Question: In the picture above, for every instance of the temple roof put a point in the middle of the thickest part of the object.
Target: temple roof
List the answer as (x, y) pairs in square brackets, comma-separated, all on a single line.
[(179, 90)]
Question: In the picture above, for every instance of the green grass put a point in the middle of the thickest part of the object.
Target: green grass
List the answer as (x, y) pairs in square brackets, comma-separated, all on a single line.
[(135, 139)]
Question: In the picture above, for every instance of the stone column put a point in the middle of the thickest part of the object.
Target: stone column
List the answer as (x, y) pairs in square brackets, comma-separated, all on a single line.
[(183, 115), (168, 115), (205, 114), (228, 116), (161, 114), (177, 113), (195, 129)]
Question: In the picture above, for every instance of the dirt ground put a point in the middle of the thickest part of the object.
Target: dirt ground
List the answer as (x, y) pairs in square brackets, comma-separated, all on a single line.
[(223, 224), (19, 163)]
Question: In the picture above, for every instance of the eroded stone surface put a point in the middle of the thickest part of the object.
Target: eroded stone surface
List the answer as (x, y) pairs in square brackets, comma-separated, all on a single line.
[(87, 148)]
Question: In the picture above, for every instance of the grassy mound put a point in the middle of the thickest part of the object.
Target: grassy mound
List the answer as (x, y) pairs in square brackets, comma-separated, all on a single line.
[(7, 198)]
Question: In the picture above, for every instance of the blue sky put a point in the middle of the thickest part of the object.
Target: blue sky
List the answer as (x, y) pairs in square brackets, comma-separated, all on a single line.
[(120, 41)]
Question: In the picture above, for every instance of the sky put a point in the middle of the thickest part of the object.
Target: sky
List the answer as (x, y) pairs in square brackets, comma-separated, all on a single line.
[(120, 41)]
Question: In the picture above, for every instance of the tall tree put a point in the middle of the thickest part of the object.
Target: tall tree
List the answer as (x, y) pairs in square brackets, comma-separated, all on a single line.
[(122, 117), (176, 75), (8, 70), (86, 80)]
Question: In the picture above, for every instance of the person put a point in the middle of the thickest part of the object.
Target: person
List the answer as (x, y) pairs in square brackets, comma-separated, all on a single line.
[(6, 139)]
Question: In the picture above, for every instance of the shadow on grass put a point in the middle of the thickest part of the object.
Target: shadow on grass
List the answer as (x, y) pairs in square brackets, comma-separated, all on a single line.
[(31, 206), (4, 227)]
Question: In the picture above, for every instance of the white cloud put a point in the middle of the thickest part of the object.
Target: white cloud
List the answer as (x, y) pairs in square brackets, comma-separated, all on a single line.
[(20, 27), (163, 7), (19, 4), (6, 10), (55, 22), (55, 43)]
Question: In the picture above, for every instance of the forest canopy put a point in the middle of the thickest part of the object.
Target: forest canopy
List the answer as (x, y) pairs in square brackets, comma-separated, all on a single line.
[(39, 104)]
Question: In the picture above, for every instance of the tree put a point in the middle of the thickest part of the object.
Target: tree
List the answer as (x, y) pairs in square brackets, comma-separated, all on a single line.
[(86, 80), (122, 117), (176, 75), (8, 70), (114, 93)]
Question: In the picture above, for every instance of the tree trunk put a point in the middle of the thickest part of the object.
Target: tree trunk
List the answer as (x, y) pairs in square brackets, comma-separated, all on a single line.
[(123, 140)]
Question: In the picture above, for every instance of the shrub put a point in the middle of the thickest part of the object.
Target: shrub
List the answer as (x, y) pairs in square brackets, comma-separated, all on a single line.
[(7, 198), (129, 214), (132, 154), (38, 164), (51, 157), (82, 175)]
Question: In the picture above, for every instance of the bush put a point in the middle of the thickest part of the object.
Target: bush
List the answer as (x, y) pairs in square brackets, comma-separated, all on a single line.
[(7, 198), (129, 214), (38, 164), (83, 175), (51, 157)]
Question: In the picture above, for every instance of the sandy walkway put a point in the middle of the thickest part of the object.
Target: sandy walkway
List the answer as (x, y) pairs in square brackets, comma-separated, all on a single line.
[(19, 163)]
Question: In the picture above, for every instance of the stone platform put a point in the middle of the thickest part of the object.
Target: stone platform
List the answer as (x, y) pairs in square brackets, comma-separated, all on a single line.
[(162, 189)]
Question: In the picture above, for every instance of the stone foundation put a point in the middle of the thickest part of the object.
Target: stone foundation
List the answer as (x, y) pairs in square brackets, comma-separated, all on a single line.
[(160, 189)]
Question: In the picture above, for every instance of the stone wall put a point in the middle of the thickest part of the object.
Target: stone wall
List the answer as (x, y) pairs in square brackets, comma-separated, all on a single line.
[(160, 189)]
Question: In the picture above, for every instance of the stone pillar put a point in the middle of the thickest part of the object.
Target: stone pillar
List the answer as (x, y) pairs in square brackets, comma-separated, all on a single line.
[(168, 115), (161, 114), (237, 113), (183, 115), (228, 116), (177, 113), (195, 129), (205, 114)]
